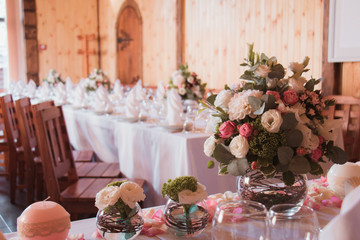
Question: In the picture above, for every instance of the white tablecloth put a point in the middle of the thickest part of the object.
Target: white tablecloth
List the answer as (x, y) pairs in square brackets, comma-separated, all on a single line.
[(145, 151)]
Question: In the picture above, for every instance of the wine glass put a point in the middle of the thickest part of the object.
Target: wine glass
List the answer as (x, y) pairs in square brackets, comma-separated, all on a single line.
[(290, 221), (237, 220)]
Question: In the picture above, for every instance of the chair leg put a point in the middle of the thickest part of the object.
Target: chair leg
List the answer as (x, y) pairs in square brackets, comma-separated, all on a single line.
[(39, 183), (21, 172), (12, 173), (30, 185)]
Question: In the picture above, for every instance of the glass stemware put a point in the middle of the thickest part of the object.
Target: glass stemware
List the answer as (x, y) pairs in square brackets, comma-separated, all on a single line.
[(239, 220), (289, 221)]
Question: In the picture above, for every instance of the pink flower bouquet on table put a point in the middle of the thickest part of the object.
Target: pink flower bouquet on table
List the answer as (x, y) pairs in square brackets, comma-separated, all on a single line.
[(271, 123), (53, 78), (95, 79)]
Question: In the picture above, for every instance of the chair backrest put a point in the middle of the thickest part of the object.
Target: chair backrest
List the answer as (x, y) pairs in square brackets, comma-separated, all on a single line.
[(42, 105), (55, 151), (347, 108)]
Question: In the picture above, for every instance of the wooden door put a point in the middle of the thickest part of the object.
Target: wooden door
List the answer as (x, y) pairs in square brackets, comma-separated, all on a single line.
[(129, 45)]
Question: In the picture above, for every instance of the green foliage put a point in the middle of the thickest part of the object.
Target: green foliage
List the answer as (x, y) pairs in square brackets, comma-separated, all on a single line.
[(116, 183), (210, 164), (289, 121), (299, 165), (288, 178), (294, 137), (238, 166), (173, 187), (222, 154)]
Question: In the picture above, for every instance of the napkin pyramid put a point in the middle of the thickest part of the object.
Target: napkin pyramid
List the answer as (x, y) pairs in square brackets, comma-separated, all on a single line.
[(60, 94), (160, 91), (101, 99), (45, 91), (132, 104), (31, 89), (174, 108), (140, 94), (79, 96)]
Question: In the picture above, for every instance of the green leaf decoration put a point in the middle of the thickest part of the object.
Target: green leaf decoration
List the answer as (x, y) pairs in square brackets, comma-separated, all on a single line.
[(299, 165), (289, 121), (222, 154), (338, 156), (294, 137), (211, 99), (277, 71), (310, 85), (268, 170), (263, 162), (210, 164), (285, 154), (260, 110), (281, 168), (288, 178), (223, 171), (264, 57), (306, 61), (269, 101), (255, 103), (227, 87), (238, 167), (315, 168)]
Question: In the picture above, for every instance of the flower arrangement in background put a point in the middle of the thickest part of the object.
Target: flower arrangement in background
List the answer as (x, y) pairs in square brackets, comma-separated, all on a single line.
[(95, 79), (271, 123), (187, 83), (53, 78)]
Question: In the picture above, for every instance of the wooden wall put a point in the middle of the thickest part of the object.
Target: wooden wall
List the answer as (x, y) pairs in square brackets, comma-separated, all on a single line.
[(350, 83), (216, 33), (59, 24), (159, 38)]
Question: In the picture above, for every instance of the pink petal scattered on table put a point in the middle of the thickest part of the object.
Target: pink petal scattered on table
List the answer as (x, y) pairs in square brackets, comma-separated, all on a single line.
[(158, 215), (97, 235), (150, 232), (336, 201)]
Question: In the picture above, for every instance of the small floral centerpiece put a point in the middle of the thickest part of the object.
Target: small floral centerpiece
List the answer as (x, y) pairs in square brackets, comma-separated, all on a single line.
[(95, 79), (187, 83), (186, 212), (119, 213), (53, 78), (271, 123)]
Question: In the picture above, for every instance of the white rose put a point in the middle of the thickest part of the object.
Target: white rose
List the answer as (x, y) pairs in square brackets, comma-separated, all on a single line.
[(209, 145), (189, 197), (182, 91), (212, 124), (310, 140), (239, 146), (107, 196), (51, 79), (223, 98), (131, 193), (262, 71), (191, 79), (271, 120), (296, 67), (178, 78), (297, 84)]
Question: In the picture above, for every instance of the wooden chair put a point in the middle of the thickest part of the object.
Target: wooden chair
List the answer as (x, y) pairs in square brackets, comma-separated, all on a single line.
[(347, 108), (17, 168), (79, 195), (79, 156)]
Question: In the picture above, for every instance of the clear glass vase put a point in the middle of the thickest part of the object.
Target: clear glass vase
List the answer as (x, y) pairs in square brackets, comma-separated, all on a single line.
[(185, 220), (113, 227), (270, 191)]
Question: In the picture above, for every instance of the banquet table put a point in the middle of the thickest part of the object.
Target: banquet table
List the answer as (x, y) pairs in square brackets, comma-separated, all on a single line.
[(145, 151)]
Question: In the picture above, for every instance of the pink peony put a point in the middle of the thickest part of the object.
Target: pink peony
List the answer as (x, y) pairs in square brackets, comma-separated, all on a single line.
[(315, 154), (245, 130), (290, 97), (301, 151), (274, 93), (227, 129), (321, 140)]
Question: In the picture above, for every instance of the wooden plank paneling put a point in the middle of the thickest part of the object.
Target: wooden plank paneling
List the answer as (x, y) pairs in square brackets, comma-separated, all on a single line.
[(59, 24), (350, 84)]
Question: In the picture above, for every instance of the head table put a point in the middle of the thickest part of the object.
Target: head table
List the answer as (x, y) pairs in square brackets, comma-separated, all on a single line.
[(145, 151)]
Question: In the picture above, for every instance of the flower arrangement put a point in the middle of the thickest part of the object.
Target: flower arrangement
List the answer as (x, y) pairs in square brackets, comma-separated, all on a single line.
[(271, 123), (53, 78), (119, 197), (187, 83), (95, 79)]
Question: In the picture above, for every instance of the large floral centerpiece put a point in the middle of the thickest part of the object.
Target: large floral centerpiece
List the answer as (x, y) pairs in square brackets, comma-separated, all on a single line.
[(95, 79), (187, 83), (185, 212), (119, 213), (271, 123), (53, 78)]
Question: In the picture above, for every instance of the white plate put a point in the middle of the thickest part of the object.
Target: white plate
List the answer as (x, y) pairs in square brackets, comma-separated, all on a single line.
[(171, 128), (127, 119), (101, 112)]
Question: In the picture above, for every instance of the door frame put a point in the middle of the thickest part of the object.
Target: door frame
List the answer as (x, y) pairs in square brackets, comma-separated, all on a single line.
[(132, 4)]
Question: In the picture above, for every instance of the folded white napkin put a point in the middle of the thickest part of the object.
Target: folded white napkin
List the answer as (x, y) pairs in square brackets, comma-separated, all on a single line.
[(345, 226), (19, 88), (60, 94), (118, 89), (31, 89), (160, 91), (101, 93), (69, 85), (45, 91), (132, 104), (140, 94), (101, 99), (79, 96), (174, 108)]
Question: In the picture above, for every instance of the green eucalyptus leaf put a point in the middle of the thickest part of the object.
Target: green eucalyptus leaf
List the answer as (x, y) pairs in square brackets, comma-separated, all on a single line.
[(339, 156), (222, 154), (223, 171), (282, 168), (238, 167), (268, 170), (210, 164), (269, 101), (277, 71), (285, 154), (255, 103), (288, 178), (211, 99), (294, 137), (289, 121), (316, 169), (310, 85), (299, 165), (260, 110)]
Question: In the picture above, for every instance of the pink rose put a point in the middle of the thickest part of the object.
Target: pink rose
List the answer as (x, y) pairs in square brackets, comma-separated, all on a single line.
[(321, 140), (315, 154), (274, 93), (301, 151), (227, 129), (254, 165), (245, 130), (290, 97)]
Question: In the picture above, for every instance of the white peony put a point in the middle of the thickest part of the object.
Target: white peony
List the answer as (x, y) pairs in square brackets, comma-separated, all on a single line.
[(297, 84), (239, 146), (182, 91), (178, 78), (310, 140), (262, 71), (271, 120), (191, 79), (223, 98), (209, 145), (239, 106), (131, 193), (296, 67), (189, 197), (212, 124), (107, 196)]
